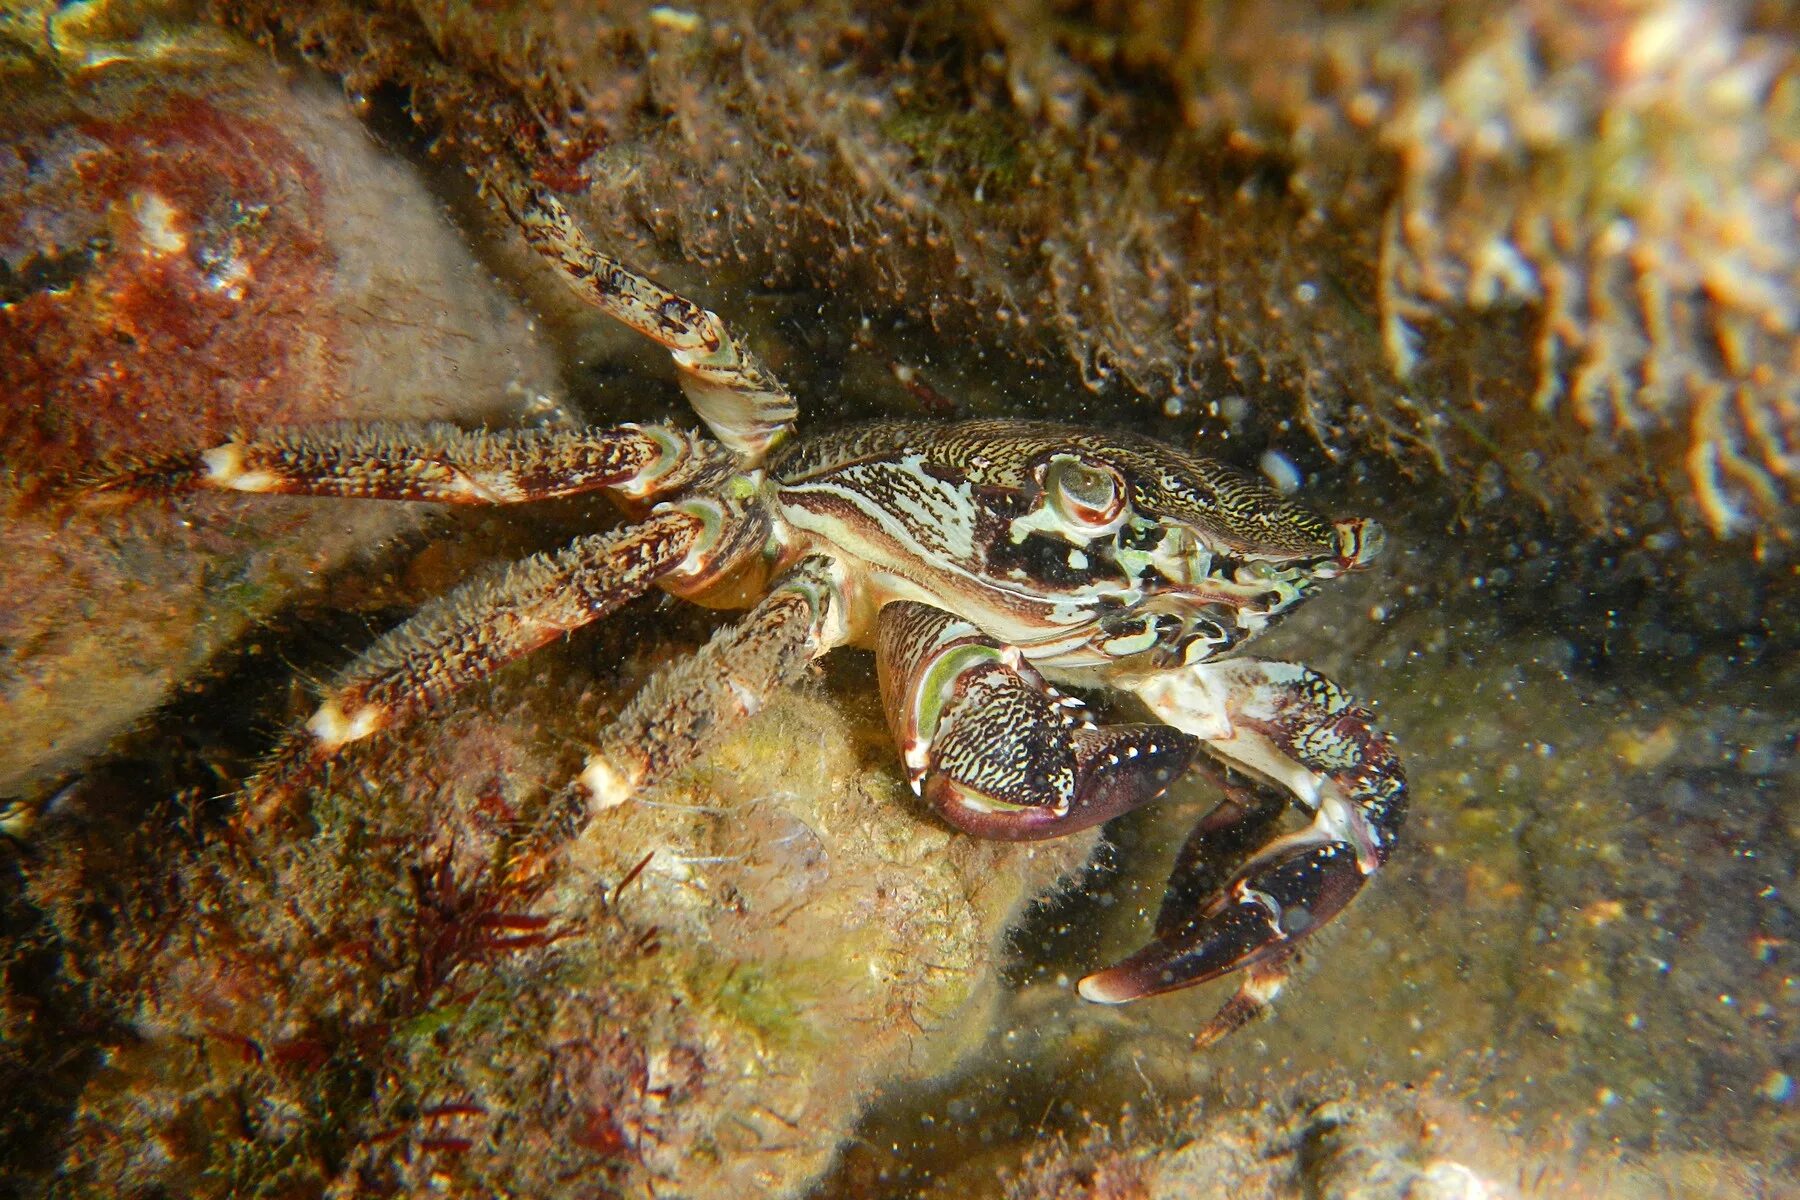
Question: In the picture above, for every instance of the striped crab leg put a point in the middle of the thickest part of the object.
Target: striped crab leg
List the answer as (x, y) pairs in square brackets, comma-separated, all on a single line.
[(1287, 726), (469, 634), (436, 463), (994, 749), (740, 400)]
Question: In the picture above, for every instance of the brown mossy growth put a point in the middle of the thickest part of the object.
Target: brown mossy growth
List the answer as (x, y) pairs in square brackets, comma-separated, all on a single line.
[(1546, 252), (695, 997), (1333, 1141), (193, 243)]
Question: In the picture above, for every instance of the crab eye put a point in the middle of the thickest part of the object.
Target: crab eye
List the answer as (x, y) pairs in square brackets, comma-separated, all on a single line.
[(1088, 495), (1359, 541)]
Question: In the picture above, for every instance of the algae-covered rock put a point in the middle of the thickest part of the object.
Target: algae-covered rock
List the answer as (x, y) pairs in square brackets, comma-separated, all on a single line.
[(194, 241), (696, 997), (1333, 1141), (1543, 254)]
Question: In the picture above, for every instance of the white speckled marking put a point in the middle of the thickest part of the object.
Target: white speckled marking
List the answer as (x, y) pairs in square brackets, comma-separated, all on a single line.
[(225, 469), (334, 727)]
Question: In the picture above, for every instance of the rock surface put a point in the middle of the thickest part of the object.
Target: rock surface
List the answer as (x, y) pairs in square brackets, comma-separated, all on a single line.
[(192, 242), (1384, 253), (1334, 1143)]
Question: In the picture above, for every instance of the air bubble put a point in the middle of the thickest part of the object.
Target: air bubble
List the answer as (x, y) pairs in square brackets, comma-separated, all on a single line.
[(1281, 471)]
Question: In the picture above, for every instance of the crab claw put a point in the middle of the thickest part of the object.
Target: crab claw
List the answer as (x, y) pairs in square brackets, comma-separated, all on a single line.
[(994, 749), (1291, 727), (1022, 780), (1280, 896)]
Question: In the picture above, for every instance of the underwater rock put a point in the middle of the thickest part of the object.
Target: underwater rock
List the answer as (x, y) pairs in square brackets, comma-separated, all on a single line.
[(1546, 255), (695, 997), (194, 241), (1333, 1141)]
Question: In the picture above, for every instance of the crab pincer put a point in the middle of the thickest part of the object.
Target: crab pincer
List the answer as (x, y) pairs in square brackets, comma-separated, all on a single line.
[(1291, 727), (998, 752)]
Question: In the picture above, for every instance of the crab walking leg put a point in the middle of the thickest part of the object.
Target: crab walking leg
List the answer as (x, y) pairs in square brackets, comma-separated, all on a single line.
[(421, 462), (685, 706), (744, 405), (472, 632), (1292, 727), (994, 749)]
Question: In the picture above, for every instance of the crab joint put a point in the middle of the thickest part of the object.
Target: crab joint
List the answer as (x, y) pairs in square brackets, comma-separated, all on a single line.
[(607, 785), (334, 727), (225, 469)]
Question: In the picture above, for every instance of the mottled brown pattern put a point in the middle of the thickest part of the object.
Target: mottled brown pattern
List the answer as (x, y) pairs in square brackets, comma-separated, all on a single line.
[(1003, 738), (465, 637), (433, 462), (477, 629)]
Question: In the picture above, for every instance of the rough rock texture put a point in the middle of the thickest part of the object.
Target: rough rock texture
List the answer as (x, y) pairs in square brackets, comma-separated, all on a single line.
[(696, 997), (1331, 1142), (191, 242), (1545, 252)]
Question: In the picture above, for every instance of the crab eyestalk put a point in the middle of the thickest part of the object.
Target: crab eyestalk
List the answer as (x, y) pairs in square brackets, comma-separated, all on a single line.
[(1091, 498), (1359, 542), (1082, 499)]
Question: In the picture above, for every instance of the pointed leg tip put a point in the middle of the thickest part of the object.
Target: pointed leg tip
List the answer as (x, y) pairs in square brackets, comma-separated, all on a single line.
[(335, 726), (1253, 1001)]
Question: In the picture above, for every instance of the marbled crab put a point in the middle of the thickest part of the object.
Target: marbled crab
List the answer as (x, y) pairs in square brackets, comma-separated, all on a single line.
[(985, 562)]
